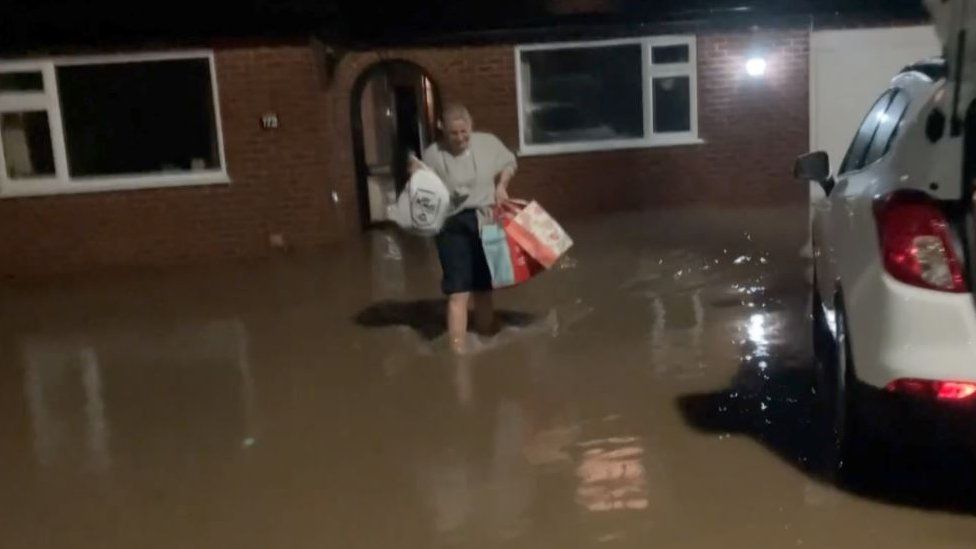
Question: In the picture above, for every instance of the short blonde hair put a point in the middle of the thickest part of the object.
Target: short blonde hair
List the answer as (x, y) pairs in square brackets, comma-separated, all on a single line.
[(456, 111)]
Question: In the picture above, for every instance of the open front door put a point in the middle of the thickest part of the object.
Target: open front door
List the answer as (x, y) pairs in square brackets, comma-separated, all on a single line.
[(394, 111)]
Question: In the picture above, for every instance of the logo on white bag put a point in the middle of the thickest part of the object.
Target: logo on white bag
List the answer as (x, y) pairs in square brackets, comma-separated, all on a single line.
[(424, 207)]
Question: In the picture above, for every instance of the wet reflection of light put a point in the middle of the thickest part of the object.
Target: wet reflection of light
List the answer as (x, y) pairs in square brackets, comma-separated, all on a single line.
[(748, 290), (388, 274), (757, 333), (831, 317), (468, 497), (247, 383), (612, 476), (677, 342), (463, 381), (757, 329), (51, 367), (63, 383)]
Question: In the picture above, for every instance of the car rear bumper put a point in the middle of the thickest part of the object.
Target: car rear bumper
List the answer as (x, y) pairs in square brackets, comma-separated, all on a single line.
[(899, 331)]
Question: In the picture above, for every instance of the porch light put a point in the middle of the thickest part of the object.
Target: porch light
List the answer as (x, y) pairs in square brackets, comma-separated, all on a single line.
[(756, 67)]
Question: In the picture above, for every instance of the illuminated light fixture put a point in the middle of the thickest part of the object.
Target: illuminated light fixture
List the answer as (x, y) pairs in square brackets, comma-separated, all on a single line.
[(756, 67)]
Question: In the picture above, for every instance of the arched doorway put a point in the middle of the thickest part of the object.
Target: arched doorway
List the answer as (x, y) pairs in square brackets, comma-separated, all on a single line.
[(394, 112)]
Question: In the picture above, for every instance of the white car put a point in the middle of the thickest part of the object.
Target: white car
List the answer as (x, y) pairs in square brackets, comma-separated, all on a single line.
[(894, 248)]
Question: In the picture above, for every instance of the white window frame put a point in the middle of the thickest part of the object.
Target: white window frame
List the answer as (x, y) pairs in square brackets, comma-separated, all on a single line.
[(62, 182), (649, 72)]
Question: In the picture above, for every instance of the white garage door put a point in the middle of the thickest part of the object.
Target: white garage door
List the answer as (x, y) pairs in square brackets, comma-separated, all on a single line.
[(848, 71)]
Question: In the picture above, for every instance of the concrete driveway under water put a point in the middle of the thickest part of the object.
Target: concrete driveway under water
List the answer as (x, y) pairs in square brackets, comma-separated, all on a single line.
[(655, 390)]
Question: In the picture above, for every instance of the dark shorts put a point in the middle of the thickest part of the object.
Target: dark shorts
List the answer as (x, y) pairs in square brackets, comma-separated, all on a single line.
[(462, 257)]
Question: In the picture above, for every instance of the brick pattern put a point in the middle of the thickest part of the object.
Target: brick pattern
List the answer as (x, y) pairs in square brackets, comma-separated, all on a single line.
[(284, 180), (278, 177), (753, 128)]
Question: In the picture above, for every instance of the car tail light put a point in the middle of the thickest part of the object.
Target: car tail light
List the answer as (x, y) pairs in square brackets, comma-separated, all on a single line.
[(916, 243), (926, 388)]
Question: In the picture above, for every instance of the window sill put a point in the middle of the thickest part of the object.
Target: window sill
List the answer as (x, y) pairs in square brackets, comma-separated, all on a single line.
[(53, 187), (576, 148)]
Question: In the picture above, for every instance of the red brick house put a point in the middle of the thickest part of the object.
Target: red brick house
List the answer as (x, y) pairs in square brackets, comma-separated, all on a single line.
[(281, 139)]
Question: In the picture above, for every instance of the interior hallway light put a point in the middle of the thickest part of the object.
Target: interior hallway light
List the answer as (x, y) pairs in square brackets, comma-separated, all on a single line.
[(756, 67)]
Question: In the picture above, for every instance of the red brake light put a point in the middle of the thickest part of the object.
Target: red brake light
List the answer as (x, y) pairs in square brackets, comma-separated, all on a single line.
[(941, 390), (914, 387), (952, 390), (916, 243)]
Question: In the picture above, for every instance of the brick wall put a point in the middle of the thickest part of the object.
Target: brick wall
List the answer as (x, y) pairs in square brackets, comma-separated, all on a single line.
[(753, 128), (283, 180), (279, 185)]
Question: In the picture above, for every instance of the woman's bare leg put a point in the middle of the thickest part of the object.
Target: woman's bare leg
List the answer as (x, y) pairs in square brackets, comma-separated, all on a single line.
[(457, 320)]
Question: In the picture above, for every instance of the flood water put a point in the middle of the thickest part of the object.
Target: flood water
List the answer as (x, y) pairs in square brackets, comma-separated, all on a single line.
[(654, 390)]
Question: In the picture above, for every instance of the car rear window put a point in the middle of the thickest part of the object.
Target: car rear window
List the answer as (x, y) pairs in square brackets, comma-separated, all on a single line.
[(887, 128), (854, 160)]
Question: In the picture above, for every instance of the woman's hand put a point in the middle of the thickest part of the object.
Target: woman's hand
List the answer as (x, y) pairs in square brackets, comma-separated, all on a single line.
[(414, 165), (501, 189)]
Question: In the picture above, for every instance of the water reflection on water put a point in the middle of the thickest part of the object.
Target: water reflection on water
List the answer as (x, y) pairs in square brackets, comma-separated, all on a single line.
[(612, 475), (653, 392), (79, 389)]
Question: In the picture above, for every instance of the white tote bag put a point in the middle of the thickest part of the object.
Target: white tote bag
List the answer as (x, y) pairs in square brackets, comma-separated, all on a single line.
[(423, 206)]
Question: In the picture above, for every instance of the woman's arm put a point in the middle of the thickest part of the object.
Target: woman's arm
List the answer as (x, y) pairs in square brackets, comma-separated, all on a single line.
[(501, 188), (414, 164), (506, 166)]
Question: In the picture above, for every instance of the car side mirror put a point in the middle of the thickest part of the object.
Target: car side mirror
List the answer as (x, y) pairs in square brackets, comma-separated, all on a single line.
[(814, 166)]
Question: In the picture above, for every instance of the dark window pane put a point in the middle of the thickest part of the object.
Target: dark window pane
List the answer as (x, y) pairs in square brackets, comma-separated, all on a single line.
[(887, 124), (854, 160), (133, 118), (583, 94), (21, 81), (26, 138), (663, 55), (672, 104)]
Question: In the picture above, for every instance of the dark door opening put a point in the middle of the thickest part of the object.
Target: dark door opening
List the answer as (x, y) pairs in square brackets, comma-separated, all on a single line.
[(394, 106)]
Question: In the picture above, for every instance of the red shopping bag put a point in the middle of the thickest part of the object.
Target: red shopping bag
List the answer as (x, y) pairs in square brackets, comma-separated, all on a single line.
[(523, 266), (538, 234)]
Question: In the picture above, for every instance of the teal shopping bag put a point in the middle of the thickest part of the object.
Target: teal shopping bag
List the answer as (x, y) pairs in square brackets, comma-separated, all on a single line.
[(498, 254)]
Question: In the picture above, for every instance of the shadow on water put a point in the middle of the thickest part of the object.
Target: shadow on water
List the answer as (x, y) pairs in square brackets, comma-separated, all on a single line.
[(426, 317), (772, 399)]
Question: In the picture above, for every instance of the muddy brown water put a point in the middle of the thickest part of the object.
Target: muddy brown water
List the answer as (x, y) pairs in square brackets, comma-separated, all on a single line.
[(652, 391)]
